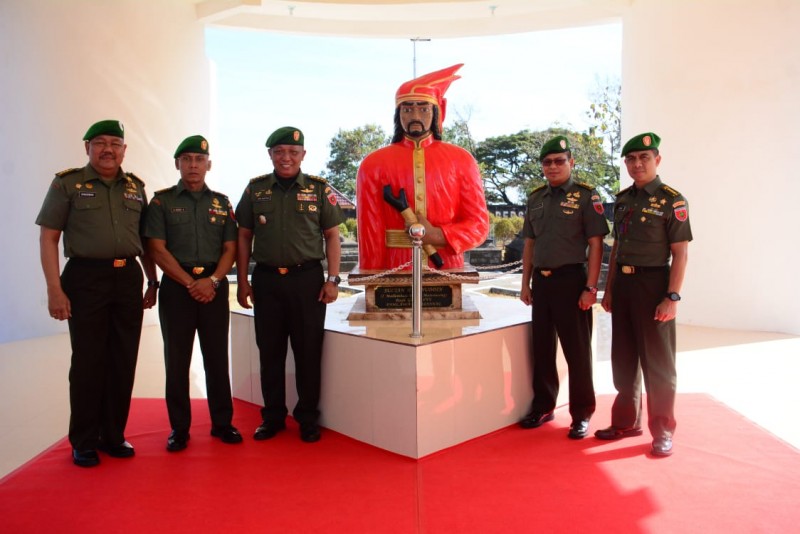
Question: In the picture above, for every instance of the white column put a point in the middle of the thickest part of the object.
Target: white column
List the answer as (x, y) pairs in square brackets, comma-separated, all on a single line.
[(719, 80), (63, 66)]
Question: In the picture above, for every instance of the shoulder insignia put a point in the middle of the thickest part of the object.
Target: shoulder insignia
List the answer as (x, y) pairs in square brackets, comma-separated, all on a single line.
[(667, 189), (317, 178), (131, 175), (539, 188), (217, 193), (67, 171), (257, 178), (166, 189), (585, 186), (621, 191)]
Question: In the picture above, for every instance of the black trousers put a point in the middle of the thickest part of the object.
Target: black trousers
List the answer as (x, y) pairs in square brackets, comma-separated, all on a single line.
[(181, 316), (642, 347), (287, 308), (104, 331), (556, 316)]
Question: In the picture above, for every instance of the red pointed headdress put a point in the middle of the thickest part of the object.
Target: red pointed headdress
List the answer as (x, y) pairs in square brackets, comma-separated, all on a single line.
[(429, 88)]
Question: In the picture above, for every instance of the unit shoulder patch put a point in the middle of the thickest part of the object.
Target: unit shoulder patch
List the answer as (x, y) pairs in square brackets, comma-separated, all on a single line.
[(66, 172)]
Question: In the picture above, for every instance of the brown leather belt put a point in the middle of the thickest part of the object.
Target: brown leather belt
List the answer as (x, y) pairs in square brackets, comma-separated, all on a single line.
[(289, 268)]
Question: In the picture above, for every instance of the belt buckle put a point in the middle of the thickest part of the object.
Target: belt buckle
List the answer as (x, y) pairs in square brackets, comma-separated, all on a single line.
[(628, 269), (198, 270), (546, 273), (283, 270), (120, 262)]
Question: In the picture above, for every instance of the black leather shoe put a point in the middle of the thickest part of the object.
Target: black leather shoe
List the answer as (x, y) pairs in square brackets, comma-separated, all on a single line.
[(578, 429), (310, 432), (177, 441), (123, 450), (662, 446), (86, 458), (269, 429), (536, 419), (612, 433), (228, 434)]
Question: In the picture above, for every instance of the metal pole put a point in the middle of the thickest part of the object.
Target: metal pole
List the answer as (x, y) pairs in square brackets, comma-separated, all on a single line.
[(414, 42), (417, 232)]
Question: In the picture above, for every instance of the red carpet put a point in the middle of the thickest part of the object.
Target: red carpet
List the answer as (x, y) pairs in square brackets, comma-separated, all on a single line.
[(727, 475)]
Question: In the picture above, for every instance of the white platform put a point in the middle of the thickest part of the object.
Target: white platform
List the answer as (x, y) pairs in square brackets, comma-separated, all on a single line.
[(463, 379)]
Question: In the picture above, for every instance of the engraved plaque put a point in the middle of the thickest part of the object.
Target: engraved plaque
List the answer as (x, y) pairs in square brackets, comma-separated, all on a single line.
[(399, 297)]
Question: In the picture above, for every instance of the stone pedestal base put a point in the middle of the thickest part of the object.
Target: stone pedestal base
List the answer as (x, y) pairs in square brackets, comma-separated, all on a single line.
[(389, 297)]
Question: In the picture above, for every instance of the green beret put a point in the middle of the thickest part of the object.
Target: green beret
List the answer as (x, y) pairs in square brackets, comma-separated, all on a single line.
[(645, 141), (196, 144), (109, 127), (288, 135), (557, 145)]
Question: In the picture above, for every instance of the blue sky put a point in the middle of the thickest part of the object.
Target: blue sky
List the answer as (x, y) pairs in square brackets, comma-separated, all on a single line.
[(261, 81)]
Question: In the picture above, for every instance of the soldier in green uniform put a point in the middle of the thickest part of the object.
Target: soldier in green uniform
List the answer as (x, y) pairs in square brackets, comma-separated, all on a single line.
[(563, 218), (651, 226), (290, 222), (191, 234), (98, 209)]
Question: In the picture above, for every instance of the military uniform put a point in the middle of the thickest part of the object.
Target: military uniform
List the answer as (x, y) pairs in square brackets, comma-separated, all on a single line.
[(195, 227), (288, 218), (101, 223), (646, 222), (560, 220)]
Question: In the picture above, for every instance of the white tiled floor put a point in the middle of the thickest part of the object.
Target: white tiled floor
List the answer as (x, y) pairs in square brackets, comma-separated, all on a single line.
[(754, 373)]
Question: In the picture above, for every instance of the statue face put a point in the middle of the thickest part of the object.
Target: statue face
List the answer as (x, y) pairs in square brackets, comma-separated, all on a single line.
[(416, 118)]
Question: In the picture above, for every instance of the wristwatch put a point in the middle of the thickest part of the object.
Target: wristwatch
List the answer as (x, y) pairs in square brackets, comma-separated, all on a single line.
[(214, 281), (335, 280), (674, 297), (153, 283), (591, 289)]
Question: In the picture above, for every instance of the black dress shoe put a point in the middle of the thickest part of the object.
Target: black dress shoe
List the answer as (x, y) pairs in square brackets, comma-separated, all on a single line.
[(536, 419), (269, 429), (578, 429), (310, 432), (612, 433), (177, 441), (227, 434), (123, 450), (87, 458), (662, 446)]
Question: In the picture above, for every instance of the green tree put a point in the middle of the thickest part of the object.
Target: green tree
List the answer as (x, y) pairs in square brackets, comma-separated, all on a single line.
[(511, 168), (348, 150), (605, 116), (459, 133), (504, 230)]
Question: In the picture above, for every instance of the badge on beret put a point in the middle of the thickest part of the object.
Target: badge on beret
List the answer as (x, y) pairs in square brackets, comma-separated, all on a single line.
[(204, 144), (647, 141), (563, 144), (296, 135)]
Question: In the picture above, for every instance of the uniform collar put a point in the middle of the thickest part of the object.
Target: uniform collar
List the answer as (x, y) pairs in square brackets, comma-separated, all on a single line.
[(566, 186), (91, 174), (181, 188), (425, 142)]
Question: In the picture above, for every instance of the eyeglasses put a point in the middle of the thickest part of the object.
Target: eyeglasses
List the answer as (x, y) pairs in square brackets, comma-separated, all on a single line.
[(114, 145), (558, 162)]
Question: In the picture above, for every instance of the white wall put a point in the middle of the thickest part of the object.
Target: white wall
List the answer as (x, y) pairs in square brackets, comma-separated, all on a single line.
[(63, 66), (719, 80)]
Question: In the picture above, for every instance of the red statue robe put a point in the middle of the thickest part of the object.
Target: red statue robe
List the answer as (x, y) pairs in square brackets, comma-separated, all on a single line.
[(454, 201)]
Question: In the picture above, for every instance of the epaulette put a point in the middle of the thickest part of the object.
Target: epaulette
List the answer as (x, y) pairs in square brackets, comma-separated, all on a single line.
[(67, 171), (131, 175), (667, 189), (585, 186), (165, 190), (223, 195), (257, 178), (539, 188), (317, 178), (621, 191)]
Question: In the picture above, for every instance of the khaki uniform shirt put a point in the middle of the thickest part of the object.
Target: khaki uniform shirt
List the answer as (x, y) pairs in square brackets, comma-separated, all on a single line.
[(561, 220), (647, 221), (288, 224), (194, 228), (98, 219)]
